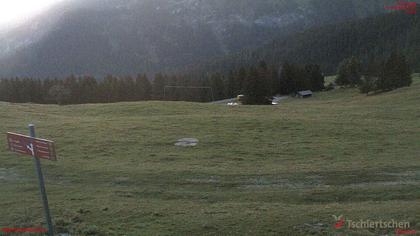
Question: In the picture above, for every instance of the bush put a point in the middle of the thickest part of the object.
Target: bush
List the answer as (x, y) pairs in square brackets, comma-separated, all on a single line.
[(368, 84), (329, 87), (349, 73), (392, 74)]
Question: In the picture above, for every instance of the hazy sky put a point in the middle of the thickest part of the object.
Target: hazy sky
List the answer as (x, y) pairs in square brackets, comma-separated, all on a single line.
[(14, 11)]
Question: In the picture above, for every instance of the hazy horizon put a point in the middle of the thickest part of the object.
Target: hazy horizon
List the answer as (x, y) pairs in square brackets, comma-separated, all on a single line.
[(15, 12)]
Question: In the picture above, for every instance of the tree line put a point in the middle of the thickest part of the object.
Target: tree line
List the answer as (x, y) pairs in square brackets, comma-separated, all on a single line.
[(258, 83), (372, 37), (375, 76), (75, 90)]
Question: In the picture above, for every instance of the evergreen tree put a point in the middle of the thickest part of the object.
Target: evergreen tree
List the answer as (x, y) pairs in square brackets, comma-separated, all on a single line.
[(349, 72), (5, 89), (73, 84), (231, 85), (274, 80), (88, 89), (240, 78), (405, 72), (126, 89), (205, 94), (302, 79), (315, 76), (371, 74), (395, 74), (218, 86), (287, 81), (158, 86), (264, 79), (59, 94), (46, 86), (255, 89), (109, 89), (368, 84), (143, 88)]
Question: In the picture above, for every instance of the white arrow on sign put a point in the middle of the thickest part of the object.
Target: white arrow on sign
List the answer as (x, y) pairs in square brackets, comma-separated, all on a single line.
[(31, 148)]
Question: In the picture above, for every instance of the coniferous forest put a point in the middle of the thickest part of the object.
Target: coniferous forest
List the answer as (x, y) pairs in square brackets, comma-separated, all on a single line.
[(373, 37), (358, 51), (258, 82)]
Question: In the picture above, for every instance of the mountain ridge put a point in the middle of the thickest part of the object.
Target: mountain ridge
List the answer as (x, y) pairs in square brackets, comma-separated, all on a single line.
[(372, 38), (128, 37)]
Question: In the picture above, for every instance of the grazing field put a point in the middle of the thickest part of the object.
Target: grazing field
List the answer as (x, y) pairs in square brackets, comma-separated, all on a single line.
[(257, 170)]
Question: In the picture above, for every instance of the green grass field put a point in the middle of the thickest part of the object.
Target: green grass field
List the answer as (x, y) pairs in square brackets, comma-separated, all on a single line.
[(258, 170)]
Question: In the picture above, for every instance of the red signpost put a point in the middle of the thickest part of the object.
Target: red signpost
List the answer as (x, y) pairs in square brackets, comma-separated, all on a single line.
[(38, 149), (23, 144)]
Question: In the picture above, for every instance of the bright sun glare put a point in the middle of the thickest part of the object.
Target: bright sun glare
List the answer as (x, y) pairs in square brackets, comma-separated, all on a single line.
[(14, 11)]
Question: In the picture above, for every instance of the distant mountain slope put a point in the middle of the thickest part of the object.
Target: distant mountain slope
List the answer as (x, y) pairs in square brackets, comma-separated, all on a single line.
[(370, 38), (130, 36)]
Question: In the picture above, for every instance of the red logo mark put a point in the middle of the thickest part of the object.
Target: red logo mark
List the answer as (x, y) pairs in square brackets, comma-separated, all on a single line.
[(405, 232), (340, 222), (23, 230), (402, 5)]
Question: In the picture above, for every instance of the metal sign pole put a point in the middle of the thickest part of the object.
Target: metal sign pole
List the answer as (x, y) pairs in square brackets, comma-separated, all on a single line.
[(41, 184)]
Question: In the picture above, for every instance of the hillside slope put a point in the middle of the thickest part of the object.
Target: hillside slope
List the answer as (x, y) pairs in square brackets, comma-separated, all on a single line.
[(127, 37), (371, 38), (259, 170)]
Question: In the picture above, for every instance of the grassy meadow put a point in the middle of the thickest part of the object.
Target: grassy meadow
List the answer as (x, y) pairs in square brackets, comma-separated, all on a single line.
[(258, 170)]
